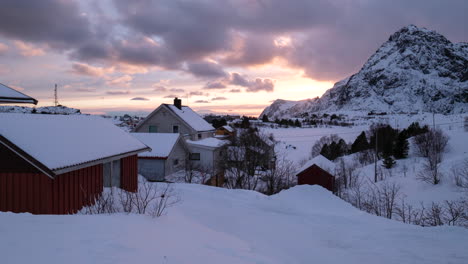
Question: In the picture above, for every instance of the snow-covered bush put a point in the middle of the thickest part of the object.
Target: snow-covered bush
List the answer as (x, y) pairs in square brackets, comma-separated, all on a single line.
[(151, 199)]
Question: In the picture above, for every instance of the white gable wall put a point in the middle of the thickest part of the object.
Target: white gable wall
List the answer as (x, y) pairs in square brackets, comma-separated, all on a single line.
[(164, 120)]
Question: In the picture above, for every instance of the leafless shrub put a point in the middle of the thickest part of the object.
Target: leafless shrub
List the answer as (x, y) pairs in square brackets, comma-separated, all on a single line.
[(366, 157), (460, 174), (152, 199), (165, 198), (103, 204), (466, 123), (146, 194), (434, 215), (455, 212)]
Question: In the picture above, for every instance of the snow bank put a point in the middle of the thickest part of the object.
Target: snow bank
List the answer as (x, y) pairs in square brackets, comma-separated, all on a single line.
[(305, 224)]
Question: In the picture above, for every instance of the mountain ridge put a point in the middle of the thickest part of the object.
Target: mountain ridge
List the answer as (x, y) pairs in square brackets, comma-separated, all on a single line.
[(415, 70)]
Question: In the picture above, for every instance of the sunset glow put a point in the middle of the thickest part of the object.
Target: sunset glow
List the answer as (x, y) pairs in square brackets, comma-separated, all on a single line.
[(220, 57)]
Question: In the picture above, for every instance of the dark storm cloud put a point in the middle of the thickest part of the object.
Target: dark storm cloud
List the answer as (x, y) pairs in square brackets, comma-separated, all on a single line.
[(139, 99), (202, 102), (117, 92), (237, 79), (58, 23), (219, 98), (215, 85), (329, 39), (206, 69)]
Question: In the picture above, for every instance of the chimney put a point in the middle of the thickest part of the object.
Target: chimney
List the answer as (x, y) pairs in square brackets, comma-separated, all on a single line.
[(178, 103)]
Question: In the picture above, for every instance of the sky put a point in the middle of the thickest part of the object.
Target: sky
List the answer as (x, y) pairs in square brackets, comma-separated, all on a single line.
[(229, 57)]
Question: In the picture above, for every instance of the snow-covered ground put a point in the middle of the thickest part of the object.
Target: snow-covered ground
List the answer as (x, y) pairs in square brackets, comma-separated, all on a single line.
[(296, 143), (305, 224)]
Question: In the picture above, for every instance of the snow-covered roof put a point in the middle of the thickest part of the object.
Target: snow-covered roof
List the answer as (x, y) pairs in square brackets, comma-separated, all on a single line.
[(10, 95), (61, 141), (229, 128), (161, 144), (208, 142), (320, 161), (191, 118)]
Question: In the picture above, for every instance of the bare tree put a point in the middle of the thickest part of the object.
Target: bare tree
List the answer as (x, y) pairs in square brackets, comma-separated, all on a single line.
[(279, 177), (246, 159), (460, 174), (431, 145)]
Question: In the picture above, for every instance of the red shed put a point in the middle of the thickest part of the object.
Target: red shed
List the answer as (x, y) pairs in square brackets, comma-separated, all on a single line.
[(56, 164), (318, 171)]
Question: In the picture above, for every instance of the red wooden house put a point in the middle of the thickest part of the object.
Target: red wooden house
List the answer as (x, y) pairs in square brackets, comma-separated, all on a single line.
[(56, 164), (318, 171)]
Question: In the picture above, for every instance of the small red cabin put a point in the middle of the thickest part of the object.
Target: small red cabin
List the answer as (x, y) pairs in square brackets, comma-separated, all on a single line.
[(318, 171), (56, 164)]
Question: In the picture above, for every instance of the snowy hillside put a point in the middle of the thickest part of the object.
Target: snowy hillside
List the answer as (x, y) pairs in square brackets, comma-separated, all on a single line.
[(56, 110), (415, 70), (305, 224)]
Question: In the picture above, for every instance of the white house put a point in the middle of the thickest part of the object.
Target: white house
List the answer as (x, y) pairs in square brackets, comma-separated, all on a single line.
[(176, 118), (168, 155), (204, 153)]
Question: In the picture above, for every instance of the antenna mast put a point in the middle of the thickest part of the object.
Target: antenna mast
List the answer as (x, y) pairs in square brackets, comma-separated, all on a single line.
[(55, 96)]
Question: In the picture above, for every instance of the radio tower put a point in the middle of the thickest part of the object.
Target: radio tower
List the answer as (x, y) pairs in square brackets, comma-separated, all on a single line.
[(55, 96)]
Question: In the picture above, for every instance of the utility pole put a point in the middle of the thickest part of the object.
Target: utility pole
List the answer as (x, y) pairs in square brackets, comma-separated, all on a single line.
[(55, 96), (375, 158)]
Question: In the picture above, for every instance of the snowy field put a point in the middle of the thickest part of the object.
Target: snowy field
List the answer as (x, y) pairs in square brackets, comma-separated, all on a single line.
[(296, 143), (305, 224)]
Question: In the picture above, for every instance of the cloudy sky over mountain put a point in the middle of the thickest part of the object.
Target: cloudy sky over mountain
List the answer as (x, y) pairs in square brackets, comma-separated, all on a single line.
[(232, 56)]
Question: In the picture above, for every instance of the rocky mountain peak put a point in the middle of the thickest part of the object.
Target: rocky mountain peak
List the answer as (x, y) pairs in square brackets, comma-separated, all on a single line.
[(417, 69)]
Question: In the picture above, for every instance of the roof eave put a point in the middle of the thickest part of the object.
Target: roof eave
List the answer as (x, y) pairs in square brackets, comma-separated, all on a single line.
[(63, 170)]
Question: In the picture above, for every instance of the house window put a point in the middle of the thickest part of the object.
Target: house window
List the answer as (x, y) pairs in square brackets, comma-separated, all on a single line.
[(194, 156), (153, 129), (111, 174), (199, 136), (175, 129)]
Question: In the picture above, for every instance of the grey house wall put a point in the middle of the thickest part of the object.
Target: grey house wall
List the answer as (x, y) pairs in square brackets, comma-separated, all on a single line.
[(158, 169), (151, 169), (178, 153)]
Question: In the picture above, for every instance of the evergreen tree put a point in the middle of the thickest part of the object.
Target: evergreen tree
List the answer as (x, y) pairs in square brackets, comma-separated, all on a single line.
[(245, 122), (360, 143), (388, 162), (297, 123), (326, 151), (401, 147), (265, 119)]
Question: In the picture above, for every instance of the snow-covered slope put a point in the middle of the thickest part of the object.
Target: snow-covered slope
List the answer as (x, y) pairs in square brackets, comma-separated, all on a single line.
[(56, 110), (305, 224), (415, 70)]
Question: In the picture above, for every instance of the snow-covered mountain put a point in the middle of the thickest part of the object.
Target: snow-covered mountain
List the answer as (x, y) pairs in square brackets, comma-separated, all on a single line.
[(415, 70)]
